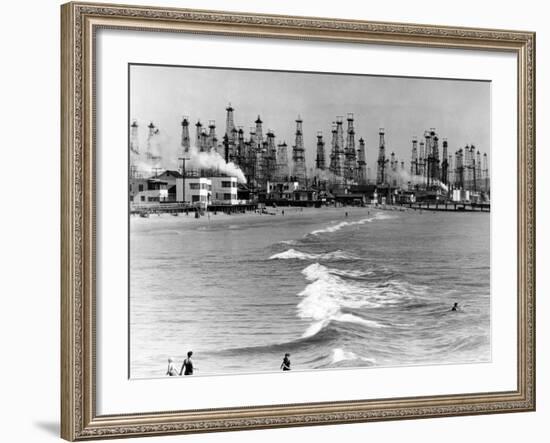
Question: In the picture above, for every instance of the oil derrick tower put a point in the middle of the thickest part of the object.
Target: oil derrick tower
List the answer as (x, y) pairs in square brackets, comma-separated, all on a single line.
[(479, 181), (337, 157), (211, 139), (362, 163), (393, 170), (150, 135), (436, 172), (320, 158), (282, 162), (230, 129), (350, 154), (298, 158), (198, 132), (134, 142), (414, 158), (381, 175), (239, 152), (271, 156), (421, 161), (332, 166), (185, 139), (258, 133), (445, 164), (203, 141), (486, 187), (451, 169), (134, 149), (459, 168)]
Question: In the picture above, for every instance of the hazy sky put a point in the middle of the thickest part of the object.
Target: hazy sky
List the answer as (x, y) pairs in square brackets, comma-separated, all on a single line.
[(459, 110)]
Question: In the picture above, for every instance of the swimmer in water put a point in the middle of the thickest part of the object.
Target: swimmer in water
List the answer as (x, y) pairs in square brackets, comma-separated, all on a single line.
[(455, 307)]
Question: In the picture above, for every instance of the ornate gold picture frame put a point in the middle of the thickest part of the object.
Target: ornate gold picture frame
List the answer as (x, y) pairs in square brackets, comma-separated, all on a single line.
[(80, 22)]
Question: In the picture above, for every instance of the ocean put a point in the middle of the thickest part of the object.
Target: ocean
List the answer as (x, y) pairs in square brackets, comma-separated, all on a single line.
[(373, 288)]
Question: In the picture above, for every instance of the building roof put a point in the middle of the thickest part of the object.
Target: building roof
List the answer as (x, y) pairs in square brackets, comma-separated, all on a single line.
[(171, 173)]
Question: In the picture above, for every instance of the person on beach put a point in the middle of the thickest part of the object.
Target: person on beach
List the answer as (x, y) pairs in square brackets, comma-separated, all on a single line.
[(283, 212), (187, 366), (171, 371), (285, 365), (455, 307)]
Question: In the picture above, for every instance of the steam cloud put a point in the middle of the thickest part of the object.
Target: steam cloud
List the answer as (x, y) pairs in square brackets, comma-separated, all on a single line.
[(213, 160)]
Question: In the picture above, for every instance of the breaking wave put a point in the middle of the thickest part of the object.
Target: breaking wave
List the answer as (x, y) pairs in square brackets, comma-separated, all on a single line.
[(332, 297), (340, 354), (338, 226), (293, 254)]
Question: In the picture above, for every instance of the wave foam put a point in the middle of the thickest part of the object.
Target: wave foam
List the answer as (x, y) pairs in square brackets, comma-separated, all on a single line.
[(329, 293), (337, 227), (293, 254), (340, 354)]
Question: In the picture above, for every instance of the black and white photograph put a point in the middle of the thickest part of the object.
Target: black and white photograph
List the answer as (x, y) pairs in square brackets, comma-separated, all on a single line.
[(303, 221)]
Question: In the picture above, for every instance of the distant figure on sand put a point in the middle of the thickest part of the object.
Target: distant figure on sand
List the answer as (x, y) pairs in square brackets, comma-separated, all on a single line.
[(171, 371), (285, 365), (455, 307), (283, 212), (187, 366)]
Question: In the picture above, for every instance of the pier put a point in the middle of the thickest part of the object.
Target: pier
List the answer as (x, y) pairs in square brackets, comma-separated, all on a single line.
[(450, 206)]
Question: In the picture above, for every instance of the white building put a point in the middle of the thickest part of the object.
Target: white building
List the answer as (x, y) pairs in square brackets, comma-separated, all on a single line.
[(146, 191), (196, 191), (224, 190)]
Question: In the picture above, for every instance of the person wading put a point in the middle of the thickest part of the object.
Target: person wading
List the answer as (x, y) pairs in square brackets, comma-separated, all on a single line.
[(187, 366), (285, 365)]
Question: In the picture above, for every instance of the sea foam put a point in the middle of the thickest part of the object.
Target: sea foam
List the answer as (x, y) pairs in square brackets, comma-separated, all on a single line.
[(330, 296), (293, 254)]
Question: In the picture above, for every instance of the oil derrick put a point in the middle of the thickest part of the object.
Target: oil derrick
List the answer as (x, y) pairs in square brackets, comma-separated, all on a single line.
[(198, 132), (337, 158), (282, 162), (152, 144), (230, 129), (271, 156), (134, 149), (298, 159), (225, 143), (485, 175), (445, 164), (381, 175), (150, 135), (239, 152), (211, 139), (421, 161), (350, 154), (414, 158), (401, 174), (436, 172), (362, 163), (203, 141), (332, 166), (258, 133), (393, 170), (134, 142), (428, 157), (185, 140), (479, 181), (451, 170), (459, 168), (320, 158)]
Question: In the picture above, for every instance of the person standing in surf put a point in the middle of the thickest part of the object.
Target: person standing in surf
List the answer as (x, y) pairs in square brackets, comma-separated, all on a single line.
[(187, 366), (171, 371), (285, 365)]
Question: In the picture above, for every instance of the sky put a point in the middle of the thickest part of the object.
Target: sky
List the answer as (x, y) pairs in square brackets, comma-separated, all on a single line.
[(459, 110)]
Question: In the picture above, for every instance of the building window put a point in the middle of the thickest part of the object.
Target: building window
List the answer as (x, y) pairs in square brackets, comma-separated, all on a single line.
[(203, 198), (194, 186), (142, 198), (140, 188), (195, 198), (227, 196), (130, 187)]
